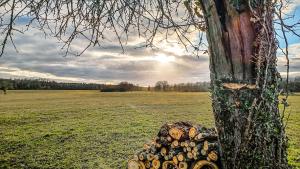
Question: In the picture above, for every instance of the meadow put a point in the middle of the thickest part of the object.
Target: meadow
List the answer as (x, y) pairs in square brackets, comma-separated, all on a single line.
[(89, 129)]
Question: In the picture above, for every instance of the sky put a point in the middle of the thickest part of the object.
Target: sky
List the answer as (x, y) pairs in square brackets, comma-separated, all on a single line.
[(42, 57)]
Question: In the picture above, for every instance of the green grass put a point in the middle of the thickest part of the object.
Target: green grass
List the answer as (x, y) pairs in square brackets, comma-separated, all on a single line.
[(89, 129)]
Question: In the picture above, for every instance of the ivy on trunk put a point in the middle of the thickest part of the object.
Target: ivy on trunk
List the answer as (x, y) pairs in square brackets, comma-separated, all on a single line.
[(244, 78)]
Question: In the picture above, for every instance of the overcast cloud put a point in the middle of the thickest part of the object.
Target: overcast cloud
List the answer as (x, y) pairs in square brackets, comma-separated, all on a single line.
[(40, 57)]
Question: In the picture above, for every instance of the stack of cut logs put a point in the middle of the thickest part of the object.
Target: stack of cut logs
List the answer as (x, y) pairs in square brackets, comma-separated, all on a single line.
[(179, 145)]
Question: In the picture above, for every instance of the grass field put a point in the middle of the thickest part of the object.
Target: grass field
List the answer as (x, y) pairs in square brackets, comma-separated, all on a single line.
[(89, 129)]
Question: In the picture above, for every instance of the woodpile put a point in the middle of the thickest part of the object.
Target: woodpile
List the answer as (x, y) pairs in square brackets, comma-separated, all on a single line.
[(179, 145)]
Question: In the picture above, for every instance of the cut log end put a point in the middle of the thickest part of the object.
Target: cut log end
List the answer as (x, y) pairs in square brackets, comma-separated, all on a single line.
[(180, 157), (183, 165), (193, 132), (163, 151), (190, 155), (175, 160), (150, 157), (133, 164), (175, 133), (175, 143), (156, 164), (205, 145), (213, 156)]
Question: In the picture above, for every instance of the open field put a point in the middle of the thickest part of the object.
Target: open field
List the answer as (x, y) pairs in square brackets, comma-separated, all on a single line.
[(89, 129)]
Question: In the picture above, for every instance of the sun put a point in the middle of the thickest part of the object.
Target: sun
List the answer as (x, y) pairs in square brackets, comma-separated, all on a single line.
[(164, 59)]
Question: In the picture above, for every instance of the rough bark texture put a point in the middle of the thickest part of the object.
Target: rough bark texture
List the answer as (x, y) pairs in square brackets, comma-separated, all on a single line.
[(244, 83)]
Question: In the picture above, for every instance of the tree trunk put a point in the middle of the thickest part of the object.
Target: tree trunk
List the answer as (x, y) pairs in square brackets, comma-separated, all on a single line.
[(244, 82)]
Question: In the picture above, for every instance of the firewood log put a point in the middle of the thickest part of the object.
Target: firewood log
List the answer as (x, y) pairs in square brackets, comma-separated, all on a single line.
[(142, 156), (176, 133), (168, 164), (180, 130), (181, 157), (204, 163), (153, 149), (158, 145), (206, 136), (209, 146), (163, 151), (212, 156), (133, 164), (147, 164), (192, 144), (205, 145), (164, 130), (158, 156), (186, 143), (182, 143), (175, 144), (167, 158), (150, 157), (198, 147), (193, 132), (203, 152), (190, 155), (146, 146), (169, 138), (175, 160), (135, 157), (149, 148), (174, 152), (156, 164), (195, 155), (163, 141), (183, 165)]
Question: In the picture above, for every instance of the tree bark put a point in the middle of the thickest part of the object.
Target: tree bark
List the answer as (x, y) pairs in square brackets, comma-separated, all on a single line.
[(244, 78)]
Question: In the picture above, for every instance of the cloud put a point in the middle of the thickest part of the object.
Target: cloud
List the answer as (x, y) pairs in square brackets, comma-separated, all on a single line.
[(41, 57), (292, 5), (294, 57)]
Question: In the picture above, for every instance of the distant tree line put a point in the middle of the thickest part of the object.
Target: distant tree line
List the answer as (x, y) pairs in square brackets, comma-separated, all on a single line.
[(121, 87), (41, 84), (293, 86), (182, 87)]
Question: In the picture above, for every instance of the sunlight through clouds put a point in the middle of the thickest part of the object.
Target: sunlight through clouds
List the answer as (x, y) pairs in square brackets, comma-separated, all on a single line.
[(41, 57)]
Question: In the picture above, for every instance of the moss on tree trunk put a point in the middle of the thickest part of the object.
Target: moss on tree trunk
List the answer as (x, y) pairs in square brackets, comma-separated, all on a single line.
[(245, 83)]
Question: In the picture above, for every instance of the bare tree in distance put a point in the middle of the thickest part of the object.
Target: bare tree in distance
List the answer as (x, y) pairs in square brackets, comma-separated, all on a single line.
[(242, 47)]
